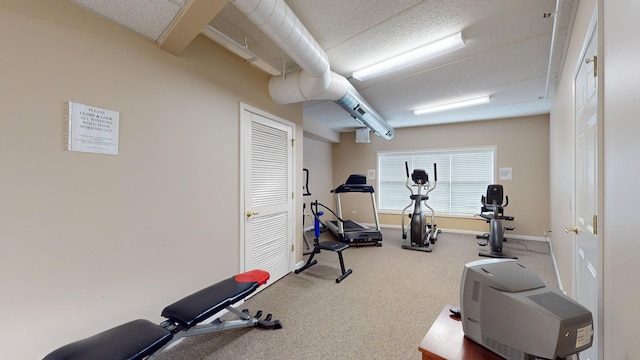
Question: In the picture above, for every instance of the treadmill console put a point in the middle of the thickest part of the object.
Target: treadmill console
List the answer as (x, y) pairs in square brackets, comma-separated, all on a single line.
[(356, 179), (354, 183)]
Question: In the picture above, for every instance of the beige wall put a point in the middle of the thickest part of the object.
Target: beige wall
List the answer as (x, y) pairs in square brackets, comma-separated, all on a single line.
[(621, 140), (91, 241), (317, 158), (522, 143)]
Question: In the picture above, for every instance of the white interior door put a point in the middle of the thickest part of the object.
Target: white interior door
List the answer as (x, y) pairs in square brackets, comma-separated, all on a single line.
[(267, 218), (587, 256)]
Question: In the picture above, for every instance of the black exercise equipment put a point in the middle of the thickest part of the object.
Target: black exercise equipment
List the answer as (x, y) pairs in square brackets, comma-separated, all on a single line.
[(493, 212), (349, 231), (141, 339), (318, 245), (421, 232)]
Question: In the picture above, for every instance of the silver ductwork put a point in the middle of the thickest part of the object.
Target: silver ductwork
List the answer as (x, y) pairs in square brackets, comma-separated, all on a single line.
[(315, 80), (353, 103)]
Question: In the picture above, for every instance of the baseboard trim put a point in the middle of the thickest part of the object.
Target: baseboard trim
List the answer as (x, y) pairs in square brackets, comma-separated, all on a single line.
[(555, 267)]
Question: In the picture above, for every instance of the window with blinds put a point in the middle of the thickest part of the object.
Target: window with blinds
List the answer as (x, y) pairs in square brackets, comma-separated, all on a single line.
[(463, 177)]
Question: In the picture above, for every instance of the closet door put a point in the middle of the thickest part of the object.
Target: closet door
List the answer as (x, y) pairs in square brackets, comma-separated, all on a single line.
[(267, 210)]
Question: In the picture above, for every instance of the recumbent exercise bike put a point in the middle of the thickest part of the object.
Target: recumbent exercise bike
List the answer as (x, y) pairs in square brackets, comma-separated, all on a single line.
[(493, 212), (421, 232)]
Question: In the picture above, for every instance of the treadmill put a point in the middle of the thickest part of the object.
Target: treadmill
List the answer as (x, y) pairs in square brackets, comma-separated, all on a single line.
[(349, 231)]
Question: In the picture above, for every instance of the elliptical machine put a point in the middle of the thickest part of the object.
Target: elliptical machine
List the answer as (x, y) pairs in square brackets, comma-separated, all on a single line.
[(493, 212), (422, 232)]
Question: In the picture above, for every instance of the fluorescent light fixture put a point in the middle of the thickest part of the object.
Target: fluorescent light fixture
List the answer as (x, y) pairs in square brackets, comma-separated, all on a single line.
[(453, 105), (412, 57)]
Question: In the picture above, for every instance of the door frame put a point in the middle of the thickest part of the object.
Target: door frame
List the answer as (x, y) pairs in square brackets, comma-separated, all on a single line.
[(244, 123)]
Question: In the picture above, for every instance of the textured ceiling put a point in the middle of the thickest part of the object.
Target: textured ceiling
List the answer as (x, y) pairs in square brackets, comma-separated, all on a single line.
[(506, 57), (147, 17)]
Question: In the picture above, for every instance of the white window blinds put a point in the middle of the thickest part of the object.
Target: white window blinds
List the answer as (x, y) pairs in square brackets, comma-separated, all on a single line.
[(463, 177)]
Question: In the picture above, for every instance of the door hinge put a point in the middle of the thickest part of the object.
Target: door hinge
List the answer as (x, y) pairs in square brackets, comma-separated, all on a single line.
[(595, 224), (293, 195), (292, 247), (293, 141)]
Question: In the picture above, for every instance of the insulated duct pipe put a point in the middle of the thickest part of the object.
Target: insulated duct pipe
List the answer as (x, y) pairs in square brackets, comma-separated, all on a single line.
[(315, 81)]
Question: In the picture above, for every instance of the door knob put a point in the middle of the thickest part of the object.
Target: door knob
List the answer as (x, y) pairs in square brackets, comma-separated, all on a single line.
[(250, 213), (573, 229)]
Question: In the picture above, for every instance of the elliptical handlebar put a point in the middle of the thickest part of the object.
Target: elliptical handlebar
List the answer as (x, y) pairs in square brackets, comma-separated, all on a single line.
[(406, 167), (435, 179)]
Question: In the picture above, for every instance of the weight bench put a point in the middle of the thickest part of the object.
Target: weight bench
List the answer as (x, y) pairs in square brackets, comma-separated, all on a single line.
[(141, 338)]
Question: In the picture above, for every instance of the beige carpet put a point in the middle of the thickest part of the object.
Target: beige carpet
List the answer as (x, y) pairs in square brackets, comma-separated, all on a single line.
[(381, 311)]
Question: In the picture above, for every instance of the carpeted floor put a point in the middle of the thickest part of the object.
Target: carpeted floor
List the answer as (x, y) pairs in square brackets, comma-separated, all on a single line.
[(381, 311)]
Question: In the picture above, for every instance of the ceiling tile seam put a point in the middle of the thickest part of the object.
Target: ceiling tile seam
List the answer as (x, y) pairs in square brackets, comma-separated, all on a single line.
[(388, 19)]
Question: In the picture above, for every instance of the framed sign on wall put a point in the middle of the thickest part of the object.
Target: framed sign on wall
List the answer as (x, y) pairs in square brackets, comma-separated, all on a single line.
[(92, 129)]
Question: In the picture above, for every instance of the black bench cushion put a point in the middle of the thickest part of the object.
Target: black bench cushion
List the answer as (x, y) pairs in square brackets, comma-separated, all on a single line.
[(207, 302), (131, 341)]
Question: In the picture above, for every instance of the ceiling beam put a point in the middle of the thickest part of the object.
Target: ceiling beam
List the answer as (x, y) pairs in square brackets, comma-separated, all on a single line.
[(194, 17)]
